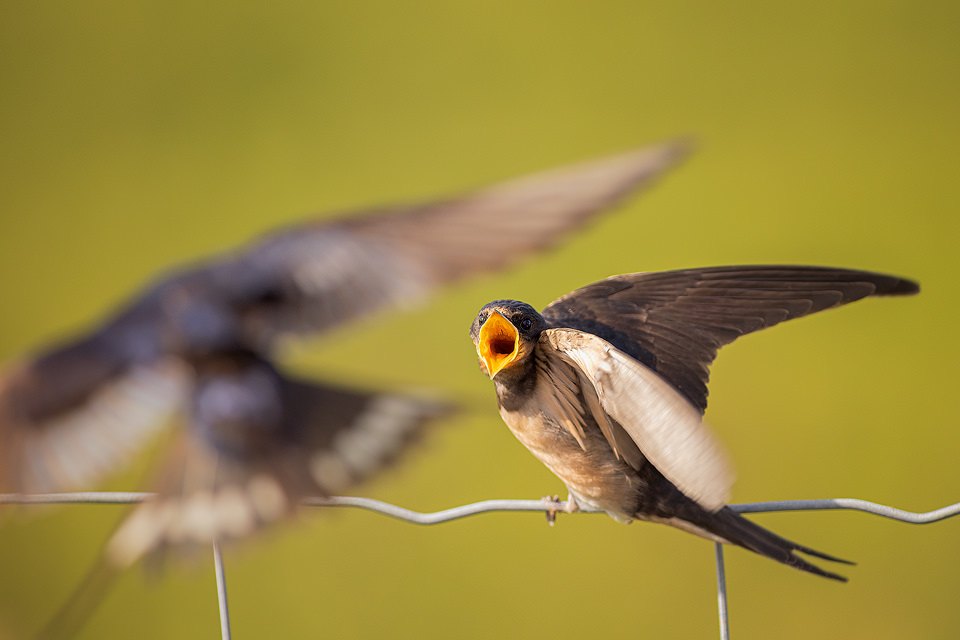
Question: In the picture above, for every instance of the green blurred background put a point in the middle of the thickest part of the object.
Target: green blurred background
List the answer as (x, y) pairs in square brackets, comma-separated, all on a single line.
[(136, 135)]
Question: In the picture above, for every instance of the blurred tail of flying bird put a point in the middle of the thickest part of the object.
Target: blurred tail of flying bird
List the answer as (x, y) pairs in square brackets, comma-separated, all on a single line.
[(197, 346)]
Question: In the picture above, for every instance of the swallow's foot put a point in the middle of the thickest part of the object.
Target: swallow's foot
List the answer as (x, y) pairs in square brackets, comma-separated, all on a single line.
[(553, 509), (572, 505)]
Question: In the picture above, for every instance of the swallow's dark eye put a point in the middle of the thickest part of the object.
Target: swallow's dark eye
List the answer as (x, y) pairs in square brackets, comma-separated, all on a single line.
[(526, 323)]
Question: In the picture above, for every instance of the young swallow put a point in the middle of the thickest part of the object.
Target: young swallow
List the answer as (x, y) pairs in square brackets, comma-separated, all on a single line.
[(608, 385), (199, 345)]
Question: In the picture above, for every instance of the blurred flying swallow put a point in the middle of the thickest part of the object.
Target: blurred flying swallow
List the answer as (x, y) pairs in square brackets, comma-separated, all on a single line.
[(608, 385), (198, 345)]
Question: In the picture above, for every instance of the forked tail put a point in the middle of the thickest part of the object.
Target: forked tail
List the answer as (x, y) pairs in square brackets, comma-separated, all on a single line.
[(731, 526)]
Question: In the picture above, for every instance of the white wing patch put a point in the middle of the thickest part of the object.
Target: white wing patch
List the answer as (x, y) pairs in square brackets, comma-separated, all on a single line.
[(667, 429)]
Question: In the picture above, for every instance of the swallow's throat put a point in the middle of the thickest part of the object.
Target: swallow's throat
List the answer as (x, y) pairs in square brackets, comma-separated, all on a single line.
[(501, 346)]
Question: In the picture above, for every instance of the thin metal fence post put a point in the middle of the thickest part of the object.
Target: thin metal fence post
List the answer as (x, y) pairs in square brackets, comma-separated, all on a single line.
[(722, 594), (221, 591)]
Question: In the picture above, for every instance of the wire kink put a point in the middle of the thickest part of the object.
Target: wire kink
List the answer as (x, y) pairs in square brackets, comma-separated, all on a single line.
[(488, 506)]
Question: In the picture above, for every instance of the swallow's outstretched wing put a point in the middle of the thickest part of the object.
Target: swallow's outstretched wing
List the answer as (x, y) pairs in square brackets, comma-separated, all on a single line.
[(674, 322)]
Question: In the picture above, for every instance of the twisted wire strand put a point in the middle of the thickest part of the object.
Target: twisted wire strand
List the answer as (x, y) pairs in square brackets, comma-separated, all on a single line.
[(487, 506)]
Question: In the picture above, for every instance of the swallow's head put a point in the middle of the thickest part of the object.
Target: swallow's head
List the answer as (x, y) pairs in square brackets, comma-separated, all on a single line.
[(505, 333)]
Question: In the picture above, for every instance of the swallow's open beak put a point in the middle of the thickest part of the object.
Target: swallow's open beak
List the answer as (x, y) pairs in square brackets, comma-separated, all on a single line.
[(499, 343)]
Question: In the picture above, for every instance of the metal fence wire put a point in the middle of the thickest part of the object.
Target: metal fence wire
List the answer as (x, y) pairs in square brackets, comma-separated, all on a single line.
[(488, 506)]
